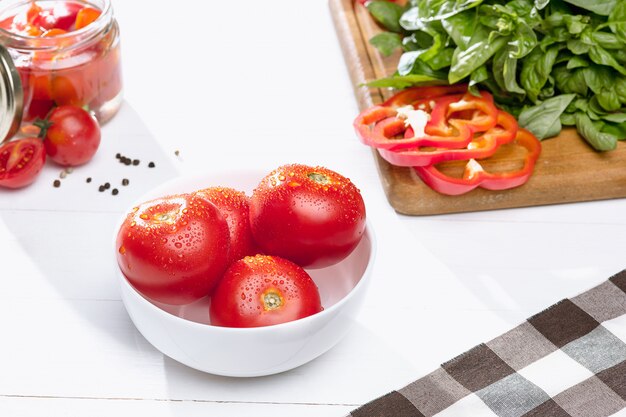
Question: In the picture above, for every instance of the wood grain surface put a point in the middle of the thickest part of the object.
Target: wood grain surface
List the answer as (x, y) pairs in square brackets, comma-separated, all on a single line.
[(568, 169)]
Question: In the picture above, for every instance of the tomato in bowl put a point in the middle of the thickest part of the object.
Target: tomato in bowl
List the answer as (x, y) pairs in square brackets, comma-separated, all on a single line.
[(185, 332)]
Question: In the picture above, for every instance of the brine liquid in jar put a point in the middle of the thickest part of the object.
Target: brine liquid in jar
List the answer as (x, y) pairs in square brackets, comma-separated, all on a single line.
[(66, 52)]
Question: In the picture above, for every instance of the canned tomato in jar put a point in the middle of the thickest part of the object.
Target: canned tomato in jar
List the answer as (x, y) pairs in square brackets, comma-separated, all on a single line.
[(57, 52)]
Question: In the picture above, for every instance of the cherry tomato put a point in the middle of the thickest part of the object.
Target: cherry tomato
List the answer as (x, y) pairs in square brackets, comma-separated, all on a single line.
[(20, 162), (72, 137), (174, 249), (312, 216), (235, 207), (263, 290)]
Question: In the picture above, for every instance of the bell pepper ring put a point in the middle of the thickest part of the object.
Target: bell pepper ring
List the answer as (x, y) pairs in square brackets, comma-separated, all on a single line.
[(413, 94), (447, 121), (482, 146), (476, 176)]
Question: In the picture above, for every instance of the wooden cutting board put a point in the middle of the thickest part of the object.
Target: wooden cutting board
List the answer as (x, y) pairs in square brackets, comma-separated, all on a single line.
[(568, 169)]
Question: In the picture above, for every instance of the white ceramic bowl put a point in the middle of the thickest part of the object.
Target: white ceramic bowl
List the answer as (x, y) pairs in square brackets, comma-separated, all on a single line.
[(185, 334)]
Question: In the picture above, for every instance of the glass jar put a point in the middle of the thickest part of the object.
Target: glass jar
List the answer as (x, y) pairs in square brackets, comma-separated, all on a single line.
[(78, 67)]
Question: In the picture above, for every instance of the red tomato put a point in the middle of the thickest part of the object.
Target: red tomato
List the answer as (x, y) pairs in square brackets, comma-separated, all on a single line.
[(312, 216), (263, 290), (20, 162), (73, 136), (235, 207), (174, 249)]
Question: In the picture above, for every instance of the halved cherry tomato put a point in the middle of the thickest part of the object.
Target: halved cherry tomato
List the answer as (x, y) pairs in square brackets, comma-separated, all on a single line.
[(21, 162), (86, 16), (263, 290)]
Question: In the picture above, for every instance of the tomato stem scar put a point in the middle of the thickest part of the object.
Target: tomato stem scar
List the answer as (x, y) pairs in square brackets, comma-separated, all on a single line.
[(318, 178), (272, 300)]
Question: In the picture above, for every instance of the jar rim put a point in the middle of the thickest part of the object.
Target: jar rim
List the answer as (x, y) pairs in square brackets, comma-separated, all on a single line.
[(77, 37)]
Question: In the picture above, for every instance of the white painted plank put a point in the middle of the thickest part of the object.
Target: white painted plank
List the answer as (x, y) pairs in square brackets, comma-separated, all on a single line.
[(80, 407)]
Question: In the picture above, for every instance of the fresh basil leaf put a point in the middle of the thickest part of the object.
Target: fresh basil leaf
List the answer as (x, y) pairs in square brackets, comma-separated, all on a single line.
[(570, 81), (540, 4), (544, 120), (443, 9), (593, 134), (442, 60), (617, 20), (620, 88), (460, 27), (536, 69), (417, 40), (479, 52), (505, 72), (601, 7), (575, 24), (548, 89), (386, 42), (607, 40), (524, 40), (601, 56), (593, 116), (598, 77), (595, 107), (412, 19), (616, 129), (615, 117), (577, 61), (568, 119), (578, 47), (386, 13), (479, 75), (401, 82), (407, 61), (609, 100), (411, 63)]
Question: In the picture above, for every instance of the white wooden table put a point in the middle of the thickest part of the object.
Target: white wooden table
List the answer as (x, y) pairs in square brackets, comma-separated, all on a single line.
[(258, 84)]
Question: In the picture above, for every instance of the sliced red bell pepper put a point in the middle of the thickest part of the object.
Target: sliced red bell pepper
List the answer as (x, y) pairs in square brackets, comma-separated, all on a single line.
[(413, 94), (481, 146), (475, 175), (454, 119)]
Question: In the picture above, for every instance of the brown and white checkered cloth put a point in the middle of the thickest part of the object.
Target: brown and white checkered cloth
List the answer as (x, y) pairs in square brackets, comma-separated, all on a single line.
[(567, 361)]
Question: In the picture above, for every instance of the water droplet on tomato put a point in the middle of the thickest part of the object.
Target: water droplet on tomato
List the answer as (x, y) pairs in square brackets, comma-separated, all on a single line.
[(122, 250), (178, 245)]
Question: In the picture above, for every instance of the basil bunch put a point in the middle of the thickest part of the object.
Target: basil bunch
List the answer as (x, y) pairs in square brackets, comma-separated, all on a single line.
[(548, 62)]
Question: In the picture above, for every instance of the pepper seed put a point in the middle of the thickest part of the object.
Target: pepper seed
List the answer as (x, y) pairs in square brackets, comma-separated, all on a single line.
[(151, 165), (56, 183), (114, 191), (125, 182), (88, 179)]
